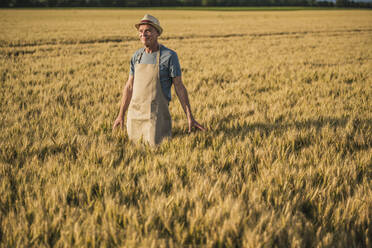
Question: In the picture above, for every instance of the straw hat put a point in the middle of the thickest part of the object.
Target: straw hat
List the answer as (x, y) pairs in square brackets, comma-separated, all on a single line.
[(150, 20)]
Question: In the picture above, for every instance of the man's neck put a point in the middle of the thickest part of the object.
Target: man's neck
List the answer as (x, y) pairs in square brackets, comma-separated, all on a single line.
[(152, 48)]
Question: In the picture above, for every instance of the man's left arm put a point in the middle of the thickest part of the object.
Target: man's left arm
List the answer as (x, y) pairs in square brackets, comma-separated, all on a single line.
[(184, 100)]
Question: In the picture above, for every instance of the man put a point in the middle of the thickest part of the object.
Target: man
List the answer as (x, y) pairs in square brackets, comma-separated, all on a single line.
[(146, 94)]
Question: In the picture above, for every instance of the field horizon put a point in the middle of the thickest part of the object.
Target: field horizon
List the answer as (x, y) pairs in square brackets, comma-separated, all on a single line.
[(194, 8), (286, 161)]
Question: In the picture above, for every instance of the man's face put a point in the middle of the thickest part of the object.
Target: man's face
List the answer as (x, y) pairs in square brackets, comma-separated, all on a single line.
[(148, 34)]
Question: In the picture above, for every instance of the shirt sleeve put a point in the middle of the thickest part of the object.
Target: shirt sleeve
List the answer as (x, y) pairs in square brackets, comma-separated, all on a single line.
[(174, 66), (132, 63)]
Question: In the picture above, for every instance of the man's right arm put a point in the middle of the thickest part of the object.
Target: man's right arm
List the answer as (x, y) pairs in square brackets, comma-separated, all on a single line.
[(125, 100)]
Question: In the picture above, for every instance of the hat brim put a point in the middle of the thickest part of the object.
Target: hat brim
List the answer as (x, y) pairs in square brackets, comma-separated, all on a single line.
[(157, 27)]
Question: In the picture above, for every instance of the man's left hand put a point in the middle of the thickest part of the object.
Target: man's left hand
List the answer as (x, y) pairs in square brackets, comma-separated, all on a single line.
[(194, 123)]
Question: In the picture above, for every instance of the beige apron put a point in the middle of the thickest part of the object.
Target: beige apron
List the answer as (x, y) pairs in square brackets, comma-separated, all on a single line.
[(148, 114)]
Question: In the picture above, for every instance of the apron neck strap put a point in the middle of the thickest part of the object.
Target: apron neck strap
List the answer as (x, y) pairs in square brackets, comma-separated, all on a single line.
[(140, 56), (158, 56)]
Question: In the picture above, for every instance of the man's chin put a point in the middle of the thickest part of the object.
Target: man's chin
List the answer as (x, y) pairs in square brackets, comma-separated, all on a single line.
[(146, 43)]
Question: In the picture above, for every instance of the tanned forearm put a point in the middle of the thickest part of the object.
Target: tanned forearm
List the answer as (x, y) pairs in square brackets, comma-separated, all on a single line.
[(127, 96), (184, 99), (125, 101)]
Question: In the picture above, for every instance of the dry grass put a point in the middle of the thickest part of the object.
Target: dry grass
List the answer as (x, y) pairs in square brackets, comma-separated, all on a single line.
[(287, 160)]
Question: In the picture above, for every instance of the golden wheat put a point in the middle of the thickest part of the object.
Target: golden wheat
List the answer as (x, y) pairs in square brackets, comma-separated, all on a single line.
[(287, 160)]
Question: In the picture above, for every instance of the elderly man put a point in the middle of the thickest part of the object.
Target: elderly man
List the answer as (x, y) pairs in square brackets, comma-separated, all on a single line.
[(146, 94)]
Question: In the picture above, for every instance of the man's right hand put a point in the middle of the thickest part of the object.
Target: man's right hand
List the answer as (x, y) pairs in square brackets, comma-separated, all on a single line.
[(118, 122)]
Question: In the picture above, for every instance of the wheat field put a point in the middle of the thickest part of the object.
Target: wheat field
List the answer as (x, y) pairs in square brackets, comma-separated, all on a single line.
[(286, 161)]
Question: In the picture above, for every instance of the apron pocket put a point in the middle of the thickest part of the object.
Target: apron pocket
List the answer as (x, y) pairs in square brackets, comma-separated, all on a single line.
[(139, 111)]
